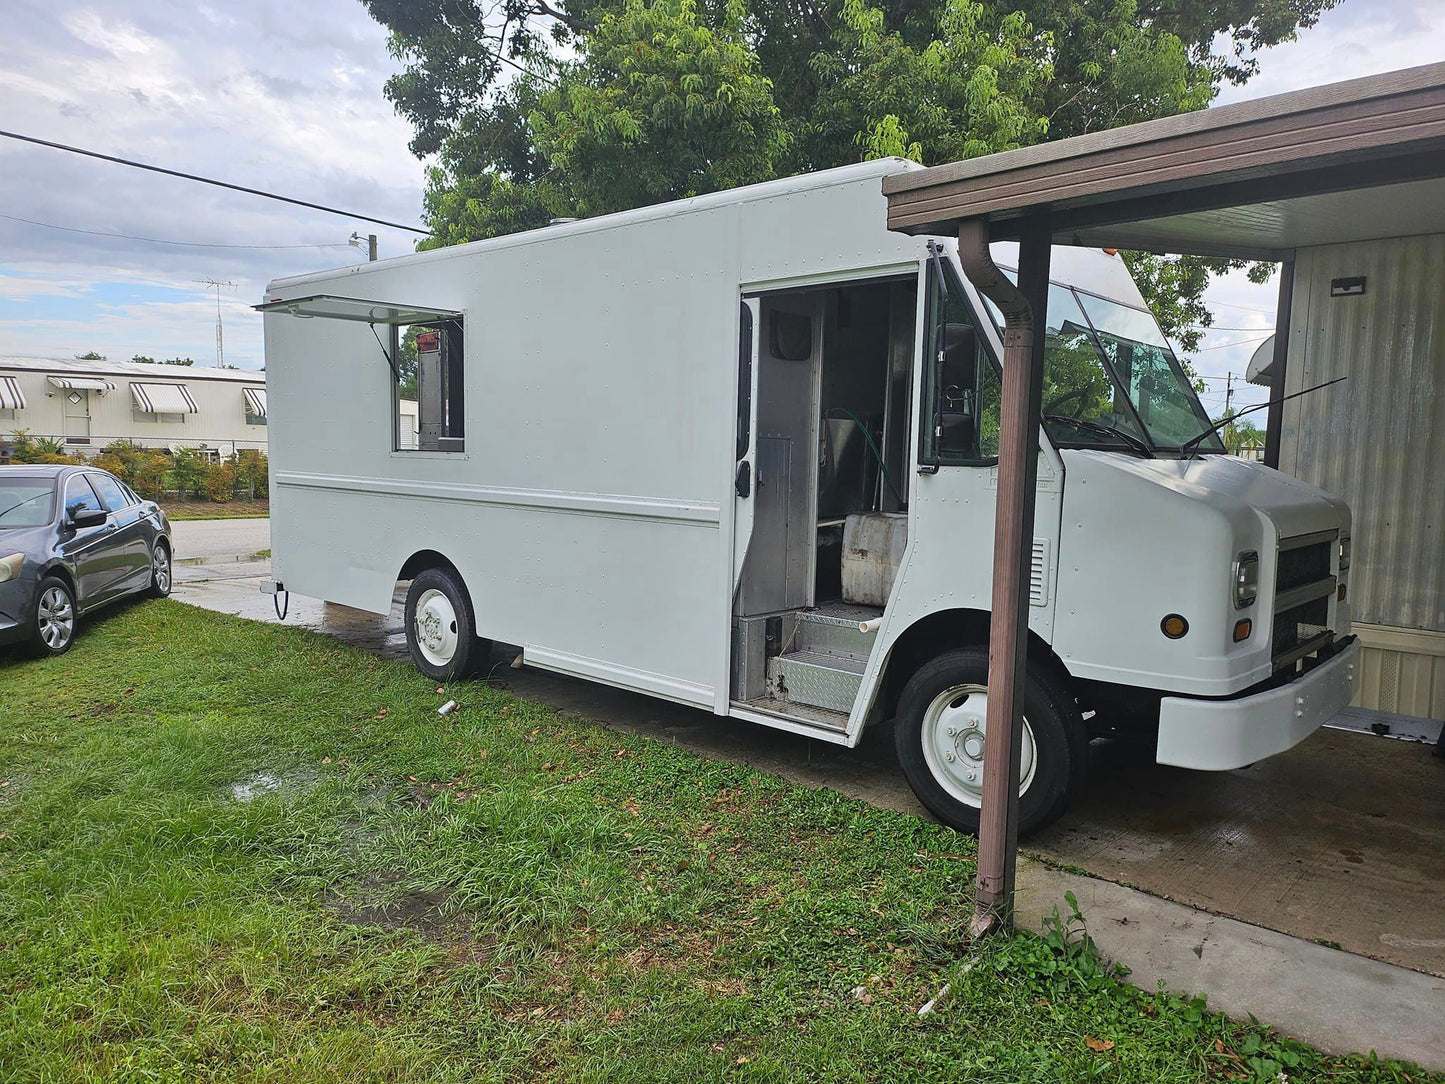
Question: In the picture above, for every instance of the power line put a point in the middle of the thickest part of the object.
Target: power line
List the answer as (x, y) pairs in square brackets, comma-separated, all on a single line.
[(1235, 305), (208, 180), (1216, 327), (1226, 346), (159, 240)]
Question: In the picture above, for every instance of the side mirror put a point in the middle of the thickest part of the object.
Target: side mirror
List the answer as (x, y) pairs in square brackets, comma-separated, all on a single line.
[(86, 517)]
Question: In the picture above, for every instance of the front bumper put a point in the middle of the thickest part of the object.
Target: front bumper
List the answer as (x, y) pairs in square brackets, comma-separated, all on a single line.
[(17, 609), (1218, 735)]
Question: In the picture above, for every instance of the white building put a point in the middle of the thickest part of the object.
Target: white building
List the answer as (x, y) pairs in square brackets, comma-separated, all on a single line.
[(88, 404)]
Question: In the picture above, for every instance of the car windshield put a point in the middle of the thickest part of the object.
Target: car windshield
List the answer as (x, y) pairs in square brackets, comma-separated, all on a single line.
[(1157, 389), (26, 502)]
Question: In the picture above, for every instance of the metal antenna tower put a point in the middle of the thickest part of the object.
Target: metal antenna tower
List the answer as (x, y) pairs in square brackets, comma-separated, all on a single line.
[(213, 284)]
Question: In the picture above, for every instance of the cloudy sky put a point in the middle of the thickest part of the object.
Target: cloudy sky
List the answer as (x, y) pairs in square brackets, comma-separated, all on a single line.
[(286, 96)]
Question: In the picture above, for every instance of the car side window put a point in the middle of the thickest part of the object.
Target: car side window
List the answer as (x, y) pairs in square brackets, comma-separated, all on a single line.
[(112, 495), (79, 497)]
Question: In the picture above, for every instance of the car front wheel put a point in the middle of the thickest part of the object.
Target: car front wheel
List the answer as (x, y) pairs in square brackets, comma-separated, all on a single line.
[(55, 617), (940, 730), (160, 585)]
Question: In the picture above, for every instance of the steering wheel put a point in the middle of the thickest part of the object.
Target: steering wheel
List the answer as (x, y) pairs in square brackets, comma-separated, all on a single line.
[(1076, 396)]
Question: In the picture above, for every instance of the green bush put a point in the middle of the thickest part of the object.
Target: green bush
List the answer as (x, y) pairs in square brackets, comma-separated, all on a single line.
[(143, 469), (27, 449), (251, 473)]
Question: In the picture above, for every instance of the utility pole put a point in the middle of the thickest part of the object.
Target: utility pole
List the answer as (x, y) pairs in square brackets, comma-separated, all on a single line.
[(220, 350), (355, 241), (1228, 392)]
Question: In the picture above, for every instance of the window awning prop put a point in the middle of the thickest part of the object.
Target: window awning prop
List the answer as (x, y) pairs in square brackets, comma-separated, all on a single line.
[(11, 397), (81, 383), (331, 307), (162, 398), (255, 401)]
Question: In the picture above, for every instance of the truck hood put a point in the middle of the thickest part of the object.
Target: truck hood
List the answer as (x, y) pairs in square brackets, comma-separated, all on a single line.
[(1232, 484)]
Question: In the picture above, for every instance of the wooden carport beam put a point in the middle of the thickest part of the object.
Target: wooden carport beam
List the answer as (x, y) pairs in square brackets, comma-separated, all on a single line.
[(1023, 309)]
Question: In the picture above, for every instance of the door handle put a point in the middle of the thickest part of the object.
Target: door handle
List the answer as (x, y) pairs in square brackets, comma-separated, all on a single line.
[(743, 483)]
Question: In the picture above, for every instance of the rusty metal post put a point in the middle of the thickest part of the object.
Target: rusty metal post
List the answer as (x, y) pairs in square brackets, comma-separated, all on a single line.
[(1274, 416), (1023, 308)]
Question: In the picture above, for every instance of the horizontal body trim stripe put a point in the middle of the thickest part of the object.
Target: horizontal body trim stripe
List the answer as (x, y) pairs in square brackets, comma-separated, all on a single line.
[(697, 513), (623, 677)]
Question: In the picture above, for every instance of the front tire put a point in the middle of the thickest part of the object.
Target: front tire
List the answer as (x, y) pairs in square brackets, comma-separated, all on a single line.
[(441, 635), (161, 573), (55, 617), (939, 732)]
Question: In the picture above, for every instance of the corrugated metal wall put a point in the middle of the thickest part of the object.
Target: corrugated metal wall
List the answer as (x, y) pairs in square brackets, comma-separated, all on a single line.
[(1378, 440)]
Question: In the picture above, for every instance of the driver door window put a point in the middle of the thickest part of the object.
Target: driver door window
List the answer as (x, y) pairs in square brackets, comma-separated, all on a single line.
[(79, 497), (960, 381)]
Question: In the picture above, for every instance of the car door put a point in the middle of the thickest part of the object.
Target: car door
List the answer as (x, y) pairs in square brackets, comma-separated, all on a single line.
[(129, 540), (97, 567)]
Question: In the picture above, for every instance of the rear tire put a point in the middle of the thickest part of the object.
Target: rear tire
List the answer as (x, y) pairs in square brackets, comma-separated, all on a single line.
[(56, 617), (939, 733), (441, 630)]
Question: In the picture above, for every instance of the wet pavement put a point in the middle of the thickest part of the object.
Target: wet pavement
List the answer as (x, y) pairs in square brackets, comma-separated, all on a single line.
[(197, 539), (1340, 841)]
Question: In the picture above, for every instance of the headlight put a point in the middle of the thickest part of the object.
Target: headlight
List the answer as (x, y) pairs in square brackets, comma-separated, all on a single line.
[(1246, 579), (10, 566), (1345, 553)]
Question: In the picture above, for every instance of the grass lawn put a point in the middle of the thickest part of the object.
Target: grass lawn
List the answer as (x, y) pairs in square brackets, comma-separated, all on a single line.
[(177, 509), (230, 851)]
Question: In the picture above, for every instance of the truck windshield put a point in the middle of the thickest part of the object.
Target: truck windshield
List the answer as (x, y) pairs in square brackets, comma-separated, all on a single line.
[(1147, 372)]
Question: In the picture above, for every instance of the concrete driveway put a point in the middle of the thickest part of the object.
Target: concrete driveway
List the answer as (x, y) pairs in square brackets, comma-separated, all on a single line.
[(1341, 840), (213, 538)]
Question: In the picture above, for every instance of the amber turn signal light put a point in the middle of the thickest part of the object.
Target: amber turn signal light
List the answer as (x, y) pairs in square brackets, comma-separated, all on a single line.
[(1242, 629), (1174, 626)]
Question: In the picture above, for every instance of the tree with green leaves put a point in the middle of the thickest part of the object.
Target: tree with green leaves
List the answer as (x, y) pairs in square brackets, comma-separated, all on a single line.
[(535, 109), (90, 355)]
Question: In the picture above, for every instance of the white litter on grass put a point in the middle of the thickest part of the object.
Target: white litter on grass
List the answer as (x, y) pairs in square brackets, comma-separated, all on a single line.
[(259, 783), (447, 708), (932, 1003)]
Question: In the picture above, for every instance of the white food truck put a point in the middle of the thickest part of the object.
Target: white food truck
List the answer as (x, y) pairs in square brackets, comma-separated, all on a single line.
[(739, 452)]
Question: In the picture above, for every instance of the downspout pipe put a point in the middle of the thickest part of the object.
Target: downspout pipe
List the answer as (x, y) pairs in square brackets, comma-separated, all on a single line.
[(1023, 308)]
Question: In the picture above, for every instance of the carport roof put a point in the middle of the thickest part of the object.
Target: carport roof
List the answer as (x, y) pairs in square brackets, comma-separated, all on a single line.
[(1345, 162)]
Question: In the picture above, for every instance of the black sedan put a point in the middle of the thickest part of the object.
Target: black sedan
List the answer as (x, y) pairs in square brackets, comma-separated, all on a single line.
[(71, 540)]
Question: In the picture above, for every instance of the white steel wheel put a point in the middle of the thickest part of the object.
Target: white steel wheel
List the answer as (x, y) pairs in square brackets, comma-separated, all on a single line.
[(55, 617), (954, 726), (435, 628), (441, 627), (940, 727)]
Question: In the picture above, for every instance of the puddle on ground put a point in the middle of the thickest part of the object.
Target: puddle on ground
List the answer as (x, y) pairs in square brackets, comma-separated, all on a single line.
[(254, 786)]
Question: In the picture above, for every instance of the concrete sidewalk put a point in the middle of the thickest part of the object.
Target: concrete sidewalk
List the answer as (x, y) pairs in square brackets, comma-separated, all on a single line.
[(1333, 1000)]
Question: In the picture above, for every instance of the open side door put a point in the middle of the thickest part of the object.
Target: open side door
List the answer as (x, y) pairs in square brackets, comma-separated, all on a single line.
[(745, 469)]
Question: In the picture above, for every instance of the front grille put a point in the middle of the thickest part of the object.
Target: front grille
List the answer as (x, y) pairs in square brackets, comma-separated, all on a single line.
[(1303, 565), (1300, 625), (1304, 585)]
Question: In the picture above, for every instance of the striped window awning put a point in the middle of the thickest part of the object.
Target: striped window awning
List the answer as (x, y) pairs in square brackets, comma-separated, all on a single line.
[(81, 383), (162, 398), (255, 401), (11, 397)]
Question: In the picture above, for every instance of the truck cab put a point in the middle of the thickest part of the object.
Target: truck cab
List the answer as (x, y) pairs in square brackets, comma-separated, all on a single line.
[(1177, 593)]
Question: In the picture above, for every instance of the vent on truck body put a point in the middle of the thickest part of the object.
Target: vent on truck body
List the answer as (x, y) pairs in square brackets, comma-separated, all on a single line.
[(1039, 573)]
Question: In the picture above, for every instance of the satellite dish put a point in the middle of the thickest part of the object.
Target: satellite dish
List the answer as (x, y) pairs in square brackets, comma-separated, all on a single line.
[(1261, 364)]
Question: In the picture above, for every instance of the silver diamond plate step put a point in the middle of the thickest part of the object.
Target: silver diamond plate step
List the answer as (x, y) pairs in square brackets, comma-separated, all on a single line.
[(834, 630), (817, 678)]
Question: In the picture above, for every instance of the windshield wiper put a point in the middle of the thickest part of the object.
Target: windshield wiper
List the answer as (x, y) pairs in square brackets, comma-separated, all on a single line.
[(1192, 443), (1134, 443), (23, 503)]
